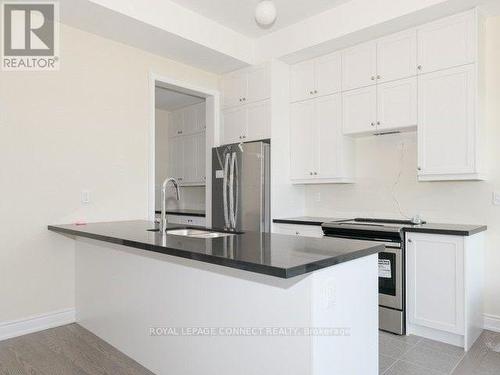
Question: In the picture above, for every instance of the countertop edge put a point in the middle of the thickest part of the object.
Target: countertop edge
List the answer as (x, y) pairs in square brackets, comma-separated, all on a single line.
[(448, 232), (283, 273), (180, 213)]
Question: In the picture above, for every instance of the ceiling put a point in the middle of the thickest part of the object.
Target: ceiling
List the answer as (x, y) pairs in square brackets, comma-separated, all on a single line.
[(168, 100), (239, 14)]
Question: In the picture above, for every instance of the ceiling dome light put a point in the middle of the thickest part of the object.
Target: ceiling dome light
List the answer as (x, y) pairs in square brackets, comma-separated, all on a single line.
[(265, 13)]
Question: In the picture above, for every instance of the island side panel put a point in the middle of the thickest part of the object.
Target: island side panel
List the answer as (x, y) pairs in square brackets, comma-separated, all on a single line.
[(122, 292), (346, 297)]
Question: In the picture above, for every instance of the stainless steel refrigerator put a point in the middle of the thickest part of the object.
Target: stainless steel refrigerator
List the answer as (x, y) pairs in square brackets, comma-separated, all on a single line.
[(241, 187)]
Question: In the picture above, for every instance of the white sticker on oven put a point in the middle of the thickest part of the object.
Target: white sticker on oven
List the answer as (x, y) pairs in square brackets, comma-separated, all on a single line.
[(384, 268)]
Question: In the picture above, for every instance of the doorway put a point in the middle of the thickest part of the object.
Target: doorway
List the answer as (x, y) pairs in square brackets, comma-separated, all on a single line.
[(183, 130)]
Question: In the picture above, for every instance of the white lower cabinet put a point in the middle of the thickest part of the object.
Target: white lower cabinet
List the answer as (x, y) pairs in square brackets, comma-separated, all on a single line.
[(444, 287), (299, 230), (319, 151)]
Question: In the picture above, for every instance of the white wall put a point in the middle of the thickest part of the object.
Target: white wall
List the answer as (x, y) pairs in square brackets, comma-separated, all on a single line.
[(84, 127), (379, 160)]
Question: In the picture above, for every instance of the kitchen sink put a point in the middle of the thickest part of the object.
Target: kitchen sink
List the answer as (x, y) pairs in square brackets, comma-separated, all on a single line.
[(198, 233)]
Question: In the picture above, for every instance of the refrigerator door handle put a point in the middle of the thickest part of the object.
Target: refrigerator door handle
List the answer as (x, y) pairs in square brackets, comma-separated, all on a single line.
[(224, 191), (232, 218)]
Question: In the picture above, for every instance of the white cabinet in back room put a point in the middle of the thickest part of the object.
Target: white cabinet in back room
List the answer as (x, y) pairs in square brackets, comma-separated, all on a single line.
[(317, 77), (319, 151), (448, 42), (359, 66), (186, 145)]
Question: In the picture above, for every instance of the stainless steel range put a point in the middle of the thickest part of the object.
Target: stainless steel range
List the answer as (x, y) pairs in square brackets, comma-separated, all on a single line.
[(391, 263)]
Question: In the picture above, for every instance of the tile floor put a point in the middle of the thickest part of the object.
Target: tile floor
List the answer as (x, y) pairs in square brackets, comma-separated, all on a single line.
[(412, 355), (72, 349)]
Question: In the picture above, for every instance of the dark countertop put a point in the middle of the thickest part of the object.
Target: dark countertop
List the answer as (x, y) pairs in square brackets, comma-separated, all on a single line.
[(433, 228), (184, 212), (270, 254)]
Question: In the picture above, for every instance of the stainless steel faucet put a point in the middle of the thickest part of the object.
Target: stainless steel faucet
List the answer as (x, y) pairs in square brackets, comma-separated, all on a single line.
[(163, 218)]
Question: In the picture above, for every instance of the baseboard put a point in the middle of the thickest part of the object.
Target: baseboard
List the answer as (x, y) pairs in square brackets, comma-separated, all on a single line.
[(32, 324), (492, 322)]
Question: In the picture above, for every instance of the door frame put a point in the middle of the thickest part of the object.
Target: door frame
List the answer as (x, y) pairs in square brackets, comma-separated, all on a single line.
[(212, 139)]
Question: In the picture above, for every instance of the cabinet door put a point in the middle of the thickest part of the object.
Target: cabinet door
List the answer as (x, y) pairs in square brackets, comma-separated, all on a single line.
[(190, 157), (302, 81), (200, 158), (328, 74), (234, 122), (302, 140), (446, 128), (359, 110), (258, 121), (234, 88), (435, 278), (447, 43), (176, 123), (258, 84), (359, 66), (201, 117), (397, 56), (397, 104), (190, 119), (329, 131), (175, 158)]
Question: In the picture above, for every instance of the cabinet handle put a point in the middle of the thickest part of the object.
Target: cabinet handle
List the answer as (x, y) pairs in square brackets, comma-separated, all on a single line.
[(378, 77), (419, 169), (297, 233), (373, 78), (378, 122), (244, 99), (310, 173), (409, 240), (311, 92), (419, 67), (315, 91), (239, 99), (373, 124), (315, 173), (243, 136)]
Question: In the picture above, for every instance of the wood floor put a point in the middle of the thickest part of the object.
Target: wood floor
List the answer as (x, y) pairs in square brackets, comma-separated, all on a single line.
[(72, 349), (64, 350)]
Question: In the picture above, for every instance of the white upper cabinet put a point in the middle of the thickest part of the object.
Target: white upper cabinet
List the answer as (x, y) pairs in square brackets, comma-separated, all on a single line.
[(397, 105), (234, 88), (175, 123), (246, 86), (359, 110), (447, 124), (447, 43), (302, 82), (247, 123), (397, 56), (359, 66), (302, 140), (319, 151), (258, 84), (201, 117), (318, 77)]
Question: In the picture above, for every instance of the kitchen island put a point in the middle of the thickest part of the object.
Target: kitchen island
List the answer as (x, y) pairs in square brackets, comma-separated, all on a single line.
[(247, 303)]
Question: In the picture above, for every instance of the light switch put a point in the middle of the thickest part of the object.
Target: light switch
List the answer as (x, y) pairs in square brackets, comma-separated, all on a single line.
[(85, 197)]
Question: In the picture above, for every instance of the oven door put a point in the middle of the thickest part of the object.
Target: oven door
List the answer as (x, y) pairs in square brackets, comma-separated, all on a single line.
[(390, 281)]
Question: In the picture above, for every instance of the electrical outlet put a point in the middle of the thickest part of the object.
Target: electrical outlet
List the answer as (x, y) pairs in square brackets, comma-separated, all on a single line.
[(496, 198), (85, 197)]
